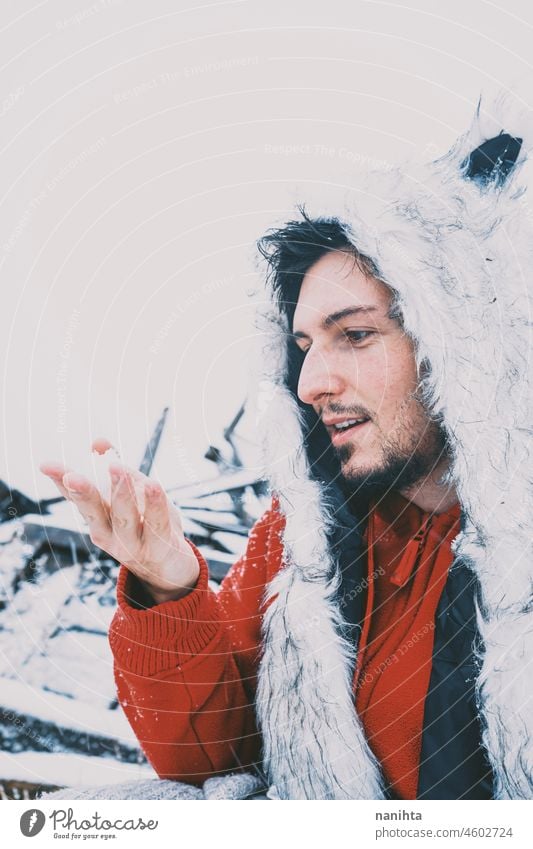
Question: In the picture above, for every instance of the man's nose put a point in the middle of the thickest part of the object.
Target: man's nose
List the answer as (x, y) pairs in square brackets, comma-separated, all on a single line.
[(319, 377)]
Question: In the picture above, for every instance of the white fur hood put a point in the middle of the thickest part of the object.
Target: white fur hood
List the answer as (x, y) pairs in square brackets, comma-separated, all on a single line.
[(459, 253)]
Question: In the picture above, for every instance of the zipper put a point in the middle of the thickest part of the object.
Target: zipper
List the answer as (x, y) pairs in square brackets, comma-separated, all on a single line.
[(410, 556)]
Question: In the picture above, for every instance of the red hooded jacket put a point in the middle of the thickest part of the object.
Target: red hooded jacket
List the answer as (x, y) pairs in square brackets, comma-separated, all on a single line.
[(186, 670)]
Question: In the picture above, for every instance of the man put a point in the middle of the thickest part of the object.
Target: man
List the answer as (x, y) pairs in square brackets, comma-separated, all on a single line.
[(374, 641)]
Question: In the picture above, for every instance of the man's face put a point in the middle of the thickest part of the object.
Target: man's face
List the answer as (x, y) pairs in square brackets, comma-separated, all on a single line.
[(360, 375)]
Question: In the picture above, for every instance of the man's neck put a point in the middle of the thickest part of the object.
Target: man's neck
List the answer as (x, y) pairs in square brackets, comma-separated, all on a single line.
[(432, 494)]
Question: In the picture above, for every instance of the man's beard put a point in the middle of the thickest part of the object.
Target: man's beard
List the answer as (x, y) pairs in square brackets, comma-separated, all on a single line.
[(403, 464)]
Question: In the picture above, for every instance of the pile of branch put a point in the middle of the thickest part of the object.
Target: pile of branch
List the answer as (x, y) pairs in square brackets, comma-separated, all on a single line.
[(60, 722)]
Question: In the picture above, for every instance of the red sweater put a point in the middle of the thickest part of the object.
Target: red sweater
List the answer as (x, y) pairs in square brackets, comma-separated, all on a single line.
[(409, 557), (186, 670)]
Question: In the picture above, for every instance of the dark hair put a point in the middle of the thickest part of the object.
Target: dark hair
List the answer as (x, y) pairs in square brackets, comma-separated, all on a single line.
[(293, 249)]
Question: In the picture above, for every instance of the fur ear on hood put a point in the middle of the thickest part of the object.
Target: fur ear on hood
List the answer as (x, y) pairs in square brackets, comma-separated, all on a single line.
[(491, 162), (454, 239)]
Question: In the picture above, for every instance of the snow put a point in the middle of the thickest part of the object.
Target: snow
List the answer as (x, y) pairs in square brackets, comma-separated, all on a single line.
[(72, 714), (33, 615), (8, 530), (13, 555), (63, 515), (88, 614), (234, 543), (68, 770), (77, 665)]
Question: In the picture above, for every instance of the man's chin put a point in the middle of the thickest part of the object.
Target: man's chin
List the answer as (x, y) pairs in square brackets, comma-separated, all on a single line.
[(397, 473), (367, 479), (360, 471)]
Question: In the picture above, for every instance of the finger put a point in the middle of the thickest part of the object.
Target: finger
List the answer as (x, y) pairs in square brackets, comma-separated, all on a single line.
[(56, 473), (101, 445), (156, 525), (137, 482), (125, 515), (89, 502), (141, 483)]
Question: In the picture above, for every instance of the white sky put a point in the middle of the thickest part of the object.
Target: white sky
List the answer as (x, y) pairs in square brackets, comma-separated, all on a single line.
[(143, 150)]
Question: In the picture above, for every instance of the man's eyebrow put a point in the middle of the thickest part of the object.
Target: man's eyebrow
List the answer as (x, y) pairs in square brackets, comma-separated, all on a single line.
[(335, 317)]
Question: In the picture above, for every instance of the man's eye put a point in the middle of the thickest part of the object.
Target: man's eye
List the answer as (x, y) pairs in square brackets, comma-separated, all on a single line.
[(357, 336)]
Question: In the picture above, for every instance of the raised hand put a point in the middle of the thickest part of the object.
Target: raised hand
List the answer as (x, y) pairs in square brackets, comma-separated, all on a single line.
[(149, 541)]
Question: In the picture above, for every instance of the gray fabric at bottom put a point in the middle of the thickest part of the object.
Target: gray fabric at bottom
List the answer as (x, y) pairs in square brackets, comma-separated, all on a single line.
[(233, 787)]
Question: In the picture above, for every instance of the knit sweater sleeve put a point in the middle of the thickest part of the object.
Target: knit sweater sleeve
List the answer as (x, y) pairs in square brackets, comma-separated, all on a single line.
[(186, 670)]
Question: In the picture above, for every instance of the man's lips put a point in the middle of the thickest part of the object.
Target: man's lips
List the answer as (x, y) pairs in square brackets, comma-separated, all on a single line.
[(342, 429)]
